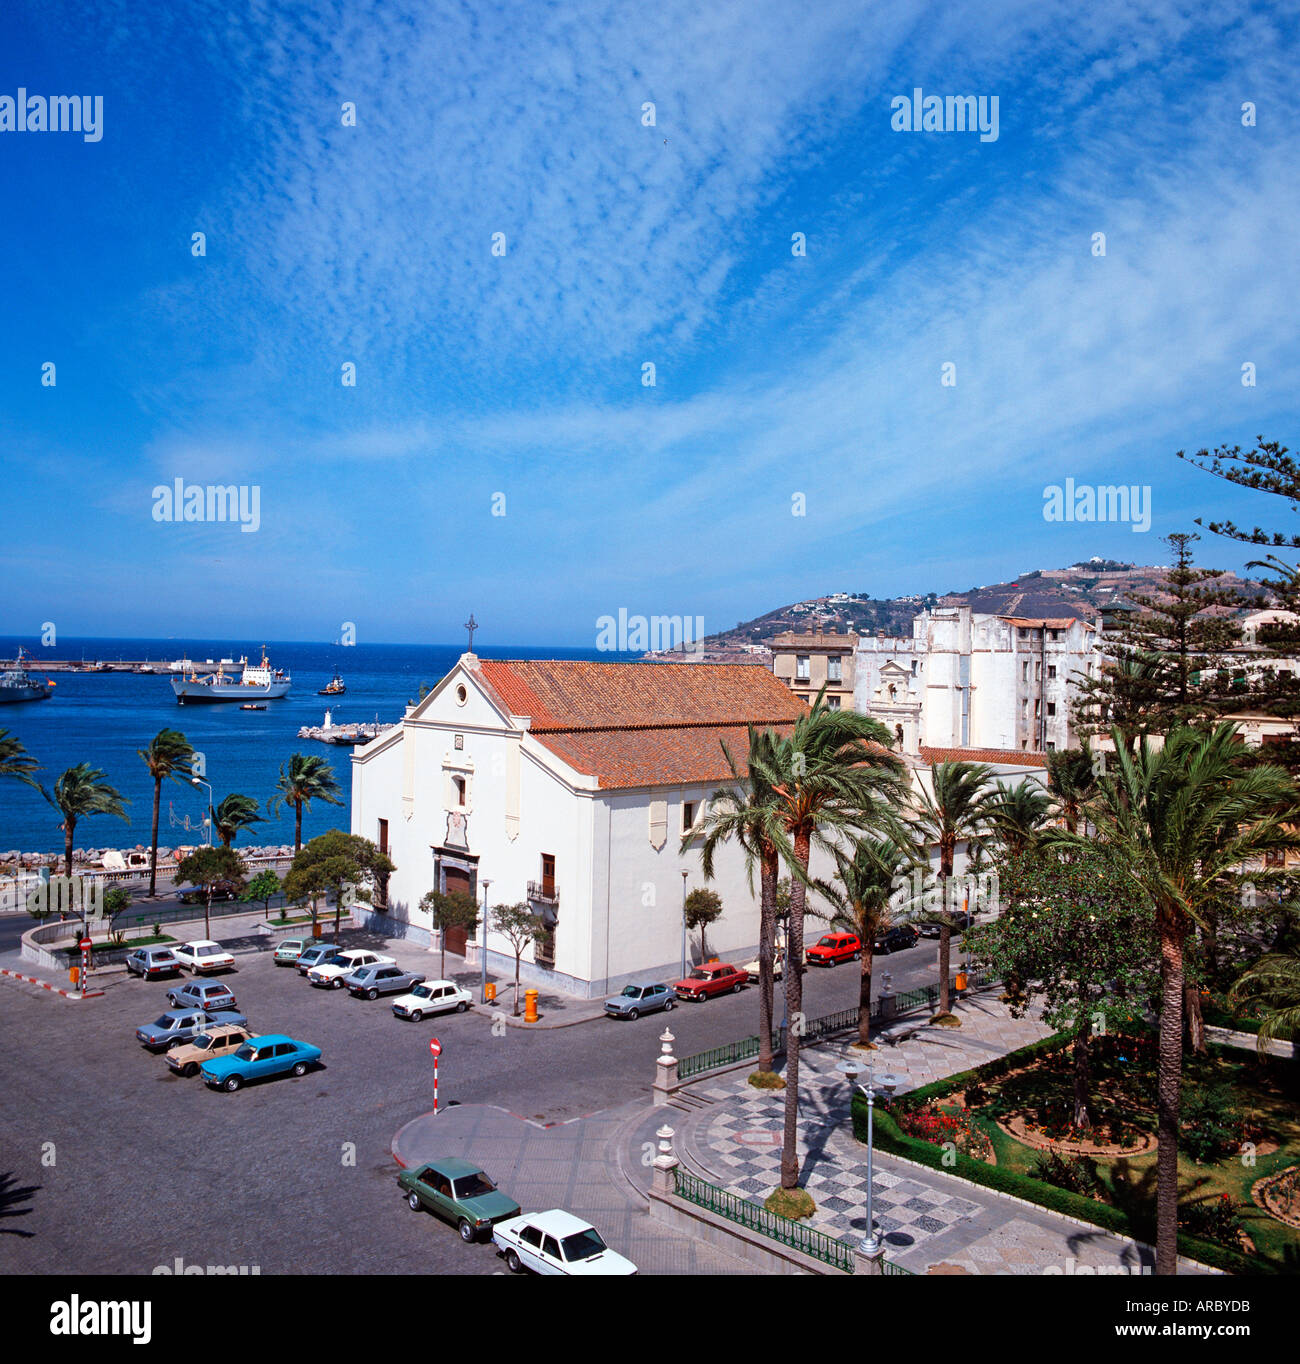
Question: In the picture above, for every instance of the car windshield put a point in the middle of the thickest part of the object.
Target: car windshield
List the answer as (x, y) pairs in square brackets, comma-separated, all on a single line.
[(423, 991), (582, 1245), (245, 1053), (698, 974), (631, 992), (827, 942), (204, 1040), (471, 1186), (208, 951)]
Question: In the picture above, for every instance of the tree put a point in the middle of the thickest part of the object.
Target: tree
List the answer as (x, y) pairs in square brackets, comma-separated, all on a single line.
[(956, 808), (15, 761), (80, 792), (1274, 982), (168, 755), (703, 907), (261, 888), (520, 926), (208, 868), (746, 812), (833, 773), (448, 911), (1187, 820), (1018, 815), (117, 900), (1072, 780), (862, 902), (1073, 932), (347, 864), (302, 780), (234, 813)]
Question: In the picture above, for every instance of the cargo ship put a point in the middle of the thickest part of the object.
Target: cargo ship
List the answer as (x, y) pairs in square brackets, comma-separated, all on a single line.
[(256, 682), (17, 684)]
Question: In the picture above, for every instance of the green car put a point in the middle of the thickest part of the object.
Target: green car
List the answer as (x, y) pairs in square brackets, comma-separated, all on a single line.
[(459, 1192), (289, 950)]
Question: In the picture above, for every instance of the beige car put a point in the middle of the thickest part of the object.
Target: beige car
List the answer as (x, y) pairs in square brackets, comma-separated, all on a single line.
[(216, 1041), (778, 965)]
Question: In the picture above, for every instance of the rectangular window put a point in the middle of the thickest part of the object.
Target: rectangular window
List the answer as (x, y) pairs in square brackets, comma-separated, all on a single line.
[(833, 703), (1024, 671), (688, 815), (834, 670), (801, 667), (1051, 672), (1038, 671), (1051, 707), (383, 835), (914, 667), (548, 874)]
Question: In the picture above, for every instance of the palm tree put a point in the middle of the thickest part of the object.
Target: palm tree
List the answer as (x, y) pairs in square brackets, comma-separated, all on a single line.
[(168, 755), (957, 809), (745, 812), (1072, 780), (1188, 819), (302, 780), (1018, 815), (15, 761), (1274, 982), (234, 813), (862, 904), (78, 793), (831, 775)]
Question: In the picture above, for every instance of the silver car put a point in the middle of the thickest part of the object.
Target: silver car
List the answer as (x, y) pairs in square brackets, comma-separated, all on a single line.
[(636, 1000), (380, 978)]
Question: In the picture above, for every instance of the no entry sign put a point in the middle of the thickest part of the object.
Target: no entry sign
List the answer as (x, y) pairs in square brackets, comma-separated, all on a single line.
[(84, 944), (435, 1047)]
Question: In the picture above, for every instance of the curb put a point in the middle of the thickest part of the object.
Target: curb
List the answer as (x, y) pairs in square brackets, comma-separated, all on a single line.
[(45, 985)]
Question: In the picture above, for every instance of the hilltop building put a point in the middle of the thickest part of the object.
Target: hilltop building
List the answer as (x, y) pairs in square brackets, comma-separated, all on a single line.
[(819, 658)]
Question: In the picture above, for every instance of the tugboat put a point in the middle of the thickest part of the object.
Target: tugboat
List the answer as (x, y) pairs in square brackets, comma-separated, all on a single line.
[(334, 687), (256, 682), (18, 685)]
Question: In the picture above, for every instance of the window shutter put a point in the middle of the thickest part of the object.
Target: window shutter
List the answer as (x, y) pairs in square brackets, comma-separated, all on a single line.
[(658, 823)]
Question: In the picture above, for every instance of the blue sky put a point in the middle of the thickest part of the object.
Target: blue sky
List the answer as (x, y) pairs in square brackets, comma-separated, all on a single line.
[(625, 244)]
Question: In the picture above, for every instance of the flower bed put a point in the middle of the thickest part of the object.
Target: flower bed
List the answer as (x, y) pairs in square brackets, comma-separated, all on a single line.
[(1279, 1195)]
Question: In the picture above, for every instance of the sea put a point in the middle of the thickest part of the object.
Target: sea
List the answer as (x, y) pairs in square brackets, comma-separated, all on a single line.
[(104, 718)]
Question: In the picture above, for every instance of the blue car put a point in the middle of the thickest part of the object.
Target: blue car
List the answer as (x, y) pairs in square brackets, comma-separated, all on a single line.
[(178, 1026), (259, 1058)]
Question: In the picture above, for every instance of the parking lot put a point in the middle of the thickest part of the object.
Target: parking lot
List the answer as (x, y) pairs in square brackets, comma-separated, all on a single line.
[(127, 1167)]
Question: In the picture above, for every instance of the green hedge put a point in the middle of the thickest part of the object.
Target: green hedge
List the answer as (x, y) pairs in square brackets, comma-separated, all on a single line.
[(890, 1137)]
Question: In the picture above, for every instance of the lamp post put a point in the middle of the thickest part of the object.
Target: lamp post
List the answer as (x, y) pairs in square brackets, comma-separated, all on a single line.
[(851, 1069), (683, 975), (483, 980), (198, 781)]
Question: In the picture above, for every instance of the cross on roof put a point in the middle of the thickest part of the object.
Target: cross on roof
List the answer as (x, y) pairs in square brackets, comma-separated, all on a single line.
[(471, 625)]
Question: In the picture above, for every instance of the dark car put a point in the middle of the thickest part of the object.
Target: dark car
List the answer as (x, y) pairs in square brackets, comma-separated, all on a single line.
[(896, 939)]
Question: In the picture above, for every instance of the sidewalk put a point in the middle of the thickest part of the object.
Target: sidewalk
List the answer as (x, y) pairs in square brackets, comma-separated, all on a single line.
[(931, 1222)]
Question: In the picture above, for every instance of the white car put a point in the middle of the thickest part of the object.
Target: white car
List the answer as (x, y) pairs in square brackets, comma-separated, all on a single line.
[(204, 956), (750, 968), (331, 972), (432, 997), (557, 1242)]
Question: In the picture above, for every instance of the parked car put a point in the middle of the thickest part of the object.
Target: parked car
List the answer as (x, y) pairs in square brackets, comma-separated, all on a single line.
[(182, 1025), (432, 997), (557, 1242), (381, 978), (189, 1056), (896, 939), (289, 951), (315, 955), (832, 948), (258, 1059), (928, 928), (330, 973), (778, 966), (204, 956), (203, 994), (457, 1191), (225, 889), (713, 978), (634, 1000), (148, 962)]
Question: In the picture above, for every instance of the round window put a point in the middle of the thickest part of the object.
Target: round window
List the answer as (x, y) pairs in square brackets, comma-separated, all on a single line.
[(461, 695)]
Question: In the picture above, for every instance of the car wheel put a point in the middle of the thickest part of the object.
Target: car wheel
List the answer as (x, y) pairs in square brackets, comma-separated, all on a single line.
[(466, 1231), (513, 1263), (857, 956), (416, 1015), (232, 1084), (300, 1069), (336, 983), (736, 988), (461, 1007), (413, 1202), (668, 1004), (634, 1014), (372, 994), (191, 1070)]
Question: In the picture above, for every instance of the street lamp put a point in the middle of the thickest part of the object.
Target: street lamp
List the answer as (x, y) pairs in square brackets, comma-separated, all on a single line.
[(207, 823), (851, 1069), (483, 982), (683, 975)]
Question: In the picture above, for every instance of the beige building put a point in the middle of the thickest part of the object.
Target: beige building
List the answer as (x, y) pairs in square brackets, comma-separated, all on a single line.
[(806, 662)]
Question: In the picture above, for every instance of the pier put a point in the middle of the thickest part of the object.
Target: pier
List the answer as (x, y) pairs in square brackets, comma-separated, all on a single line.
[(359, 733)]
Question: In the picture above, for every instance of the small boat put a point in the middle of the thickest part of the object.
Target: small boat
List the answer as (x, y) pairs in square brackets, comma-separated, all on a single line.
[(253, 705), (335, 687), (16, 684)]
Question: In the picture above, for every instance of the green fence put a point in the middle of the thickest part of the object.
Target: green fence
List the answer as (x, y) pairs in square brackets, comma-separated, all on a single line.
[(717, 1057), (818, 1244)]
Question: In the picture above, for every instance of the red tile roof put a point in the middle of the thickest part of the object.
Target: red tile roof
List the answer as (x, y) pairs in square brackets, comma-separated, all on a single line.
[(642, 724), (1018, 757)]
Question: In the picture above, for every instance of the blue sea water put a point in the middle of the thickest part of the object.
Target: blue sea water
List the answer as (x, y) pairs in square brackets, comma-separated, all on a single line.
[(104, 718)]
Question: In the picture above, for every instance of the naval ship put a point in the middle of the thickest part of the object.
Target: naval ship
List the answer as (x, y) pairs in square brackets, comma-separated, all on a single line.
[(256, 682), (17, 684)]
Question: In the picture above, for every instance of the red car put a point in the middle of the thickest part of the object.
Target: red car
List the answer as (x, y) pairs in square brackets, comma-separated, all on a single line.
[(713, 978), (835, 948)]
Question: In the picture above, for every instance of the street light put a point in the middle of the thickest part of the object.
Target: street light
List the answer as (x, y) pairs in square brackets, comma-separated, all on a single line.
[(483, 982), (683, 975), (851, 1069), (207, 823)]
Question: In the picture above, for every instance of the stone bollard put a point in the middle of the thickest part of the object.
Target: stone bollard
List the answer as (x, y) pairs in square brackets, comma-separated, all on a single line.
[(665, 1163), (665, 1071), (866, 1262)]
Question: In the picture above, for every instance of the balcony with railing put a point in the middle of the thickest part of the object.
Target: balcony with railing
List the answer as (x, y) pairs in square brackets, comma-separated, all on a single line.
[(544, 893)]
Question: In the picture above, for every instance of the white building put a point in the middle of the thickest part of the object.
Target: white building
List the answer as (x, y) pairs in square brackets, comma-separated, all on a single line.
[(973, 681), (567, 785)]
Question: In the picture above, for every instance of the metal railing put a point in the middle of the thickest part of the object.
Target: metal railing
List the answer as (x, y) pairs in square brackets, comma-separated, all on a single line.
[(838, 1254), (717, 1057), (889, 1267)]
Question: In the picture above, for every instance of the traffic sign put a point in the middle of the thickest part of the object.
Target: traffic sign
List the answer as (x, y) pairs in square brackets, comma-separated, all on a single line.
[(435, 1047), (84, 944)]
